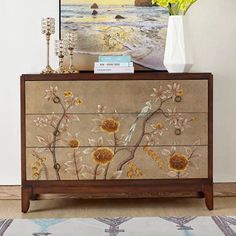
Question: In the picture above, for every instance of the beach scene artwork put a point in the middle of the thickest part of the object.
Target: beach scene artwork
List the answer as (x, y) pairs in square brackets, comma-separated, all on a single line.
[(116, 27)]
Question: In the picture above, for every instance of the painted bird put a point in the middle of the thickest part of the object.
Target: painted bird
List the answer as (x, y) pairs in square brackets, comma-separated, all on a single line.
[(144, 112)]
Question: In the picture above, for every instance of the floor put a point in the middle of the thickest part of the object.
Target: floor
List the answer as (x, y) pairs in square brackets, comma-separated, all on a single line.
[(75, 208)]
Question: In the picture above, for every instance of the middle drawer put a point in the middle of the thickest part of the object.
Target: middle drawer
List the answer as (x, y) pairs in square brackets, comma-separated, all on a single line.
[(171, 128)]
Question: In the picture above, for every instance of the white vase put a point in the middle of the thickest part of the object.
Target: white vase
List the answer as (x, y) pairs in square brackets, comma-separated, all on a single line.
[(178, 55)]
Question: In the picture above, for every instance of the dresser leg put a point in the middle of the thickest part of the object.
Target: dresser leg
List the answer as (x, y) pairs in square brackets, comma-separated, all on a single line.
[(26, 193), (208, 192)]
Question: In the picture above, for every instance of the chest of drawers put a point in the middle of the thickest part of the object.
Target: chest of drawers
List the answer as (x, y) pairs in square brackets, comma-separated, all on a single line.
[(116, 135)]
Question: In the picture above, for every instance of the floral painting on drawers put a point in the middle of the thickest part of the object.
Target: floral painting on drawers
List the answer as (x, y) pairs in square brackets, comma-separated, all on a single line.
[(116, 130)]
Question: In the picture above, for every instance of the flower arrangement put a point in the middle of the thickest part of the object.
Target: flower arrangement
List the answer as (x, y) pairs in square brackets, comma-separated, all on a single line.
[(175, 7)]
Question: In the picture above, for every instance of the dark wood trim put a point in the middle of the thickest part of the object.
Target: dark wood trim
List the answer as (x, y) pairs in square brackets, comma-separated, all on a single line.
[(13, 192), (208, 189), (128, 188), (26, 193), (23, 135), (137, 76)]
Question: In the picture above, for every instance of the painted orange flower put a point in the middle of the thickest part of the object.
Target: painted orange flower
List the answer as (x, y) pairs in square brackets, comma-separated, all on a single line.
[(110, 125), (178, 162), (71, 141), (74, 143), (103, 155)]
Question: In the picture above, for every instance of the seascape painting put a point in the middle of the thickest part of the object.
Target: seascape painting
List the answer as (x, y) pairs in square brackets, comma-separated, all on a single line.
[(116, 27)]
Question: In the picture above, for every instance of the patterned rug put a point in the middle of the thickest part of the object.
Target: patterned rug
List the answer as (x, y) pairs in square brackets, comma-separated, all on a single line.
[(122, 226)]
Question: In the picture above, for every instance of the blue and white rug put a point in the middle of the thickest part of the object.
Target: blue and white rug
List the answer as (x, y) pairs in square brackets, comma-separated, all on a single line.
[(121, 226)]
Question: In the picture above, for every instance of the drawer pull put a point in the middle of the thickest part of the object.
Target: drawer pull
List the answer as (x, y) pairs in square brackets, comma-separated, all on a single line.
[(178, 99), (178, 132), (56, 100)]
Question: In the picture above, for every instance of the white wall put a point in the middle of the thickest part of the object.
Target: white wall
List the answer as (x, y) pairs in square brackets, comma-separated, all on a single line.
[(22, 48), (213, 32)]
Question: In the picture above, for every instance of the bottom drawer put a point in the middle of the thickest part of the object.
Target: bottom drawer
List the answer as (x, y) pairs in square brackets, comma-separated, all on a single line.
[(163, 162)]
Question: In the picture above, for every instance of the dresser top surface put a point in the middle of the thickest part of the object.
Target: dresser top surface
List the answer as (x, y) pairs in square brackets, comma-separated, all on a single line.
[(136, 76)]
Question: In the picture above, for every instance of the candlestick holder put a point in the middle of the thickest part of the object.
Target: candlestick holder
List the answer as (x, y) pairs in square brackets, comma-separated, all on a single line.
[(48, 28), (61, 52), (70, 41)]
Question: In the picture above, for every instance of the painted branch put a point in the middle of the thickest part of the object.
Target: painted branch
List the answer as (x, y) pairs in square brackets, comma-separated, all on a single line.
[(76, 167), (132, 155), (56, 165), (106, 170), (95, 172)]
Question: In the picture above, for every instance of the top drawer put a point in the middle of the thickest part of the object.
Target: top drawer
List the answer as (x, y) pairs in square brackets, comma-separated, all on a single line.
[(123, 96)]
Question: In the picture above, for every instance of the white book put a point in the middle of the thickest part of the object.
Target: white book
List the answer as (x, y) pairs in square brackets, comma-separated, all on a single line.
[(123, 64), (112, 70)]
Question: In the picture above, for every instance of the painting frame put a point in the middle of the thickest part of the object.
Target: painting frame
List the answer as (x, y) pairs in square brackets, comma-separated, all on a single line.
[(138, 67)]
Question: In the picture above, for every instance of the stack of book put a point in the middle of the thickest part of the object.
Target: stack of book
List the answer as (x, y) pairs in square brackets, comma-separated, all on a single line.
[(114, 65)]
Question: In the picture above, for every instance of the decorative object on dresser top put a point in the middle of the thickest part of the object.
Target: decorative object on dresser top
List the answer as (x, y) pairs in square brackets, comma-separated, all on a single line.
[(63, 47), (178, 54), (114, 65), (116, 27), (116, 135), (48, 28)]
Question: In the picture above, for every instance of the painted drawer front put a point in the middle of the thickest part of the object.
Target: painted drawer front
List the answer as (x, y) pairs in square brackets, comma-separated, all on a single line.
[(164, 162), (90, 126), (123, 96), (81, 130)]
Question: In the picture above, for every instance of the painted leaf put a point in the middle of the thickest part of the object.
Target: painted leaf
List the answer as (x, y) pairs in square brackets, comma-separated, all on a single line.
[(173, 149), (87, 150), (110, 141), (184, 174), (77, 153), (86, 169), (69, 163), (40, 150), (42, 140), (70, 170), (101, 108), (197, 143), (74, 118), (193, 164), (97, 121), (196, 155), (86, 175), (50, 138), (100, 171), (95, 129), (92, 142), (100, 141), (166, 152), (116, 174), (188, 150), (172, 174)]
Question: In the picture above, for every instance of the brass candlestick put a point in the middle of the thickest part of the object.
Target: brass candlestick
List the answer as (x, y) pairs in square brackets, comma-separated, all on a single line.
[(70, 41), (61, 52), (48, 28)]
